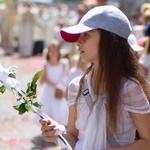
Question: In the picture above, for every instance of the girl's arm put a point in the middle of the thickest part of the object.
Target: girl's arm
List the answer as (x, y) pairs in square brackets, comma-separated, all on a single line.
[(71, 134), (142, 123), (45, 80), (48, 129)]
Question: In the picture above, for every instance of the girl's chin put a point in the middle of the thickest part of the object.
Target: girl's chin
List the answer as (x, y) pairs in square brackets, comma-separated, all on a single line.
[(84, 60)]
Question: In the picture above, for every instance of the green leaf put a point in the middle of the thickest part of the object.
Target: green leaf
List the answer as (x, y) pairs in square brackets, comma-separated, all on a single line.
[(33, 87), (28, 87), (2, 89), (16, 107), (36, 77), (11, 75), (20, 108), (38, 105)]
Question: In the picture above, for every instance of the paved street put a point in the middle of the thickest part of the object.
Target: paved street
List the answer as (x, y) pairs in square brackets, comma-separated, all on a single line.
[(20, 132)]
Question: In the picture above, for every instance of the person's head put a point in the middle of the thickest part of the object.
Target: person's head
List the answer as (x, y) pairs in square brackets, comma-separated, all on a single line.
[(98, 22), (53, 50), (101, 2), (81, 10), (102, 37), (146, 17), (144, 7)]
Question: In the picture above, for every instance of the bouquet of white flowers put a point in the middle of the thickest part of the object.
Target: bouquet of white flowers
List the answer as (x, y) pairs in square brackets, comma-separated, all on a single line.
[(10, 82)]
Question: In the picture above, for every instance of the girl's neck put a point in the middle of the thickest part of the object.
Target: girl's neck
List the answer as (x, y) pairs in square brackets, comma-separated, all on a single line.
[(54, 62)]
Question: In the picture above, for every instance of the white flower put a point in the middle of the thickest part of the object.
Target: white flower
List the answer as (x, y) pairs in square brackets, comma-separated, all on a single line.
[(9, 82)]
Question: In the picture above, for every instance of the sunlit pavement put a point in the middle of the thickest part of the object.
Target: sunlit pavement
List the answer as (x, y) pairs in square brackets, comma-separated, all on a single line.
[(20, 132)]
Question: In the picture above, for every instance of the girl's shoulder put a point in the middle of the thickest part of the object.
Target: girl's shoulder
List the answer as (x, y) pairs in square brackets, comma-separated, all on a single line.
[(128, 83), (133, 97), (75, 81), (130, 86), (73, 89)]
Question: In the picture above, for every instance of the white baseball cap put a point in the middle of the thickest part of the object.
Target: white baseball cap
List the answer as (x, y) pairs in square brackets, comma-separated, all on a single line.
[(107, 17)]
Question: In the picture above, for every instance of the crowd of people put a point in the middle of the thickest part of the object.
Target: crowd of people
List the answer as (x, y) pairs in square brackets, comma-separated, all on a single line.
[(104, 87)]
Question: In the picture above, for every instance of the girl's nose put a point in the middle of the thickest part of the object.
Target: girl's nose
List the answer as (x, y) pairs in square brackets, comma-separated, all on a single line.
[(80, 40)]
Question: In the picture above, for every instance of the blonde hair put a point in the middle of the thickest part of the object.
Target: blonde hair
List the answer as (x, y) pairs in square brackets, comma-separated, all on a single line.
[(144, 7)]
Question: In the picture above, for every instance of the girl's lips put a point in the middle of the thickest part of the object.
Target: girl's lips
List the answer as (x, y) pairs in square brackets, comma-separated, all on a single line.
[(81, 52)]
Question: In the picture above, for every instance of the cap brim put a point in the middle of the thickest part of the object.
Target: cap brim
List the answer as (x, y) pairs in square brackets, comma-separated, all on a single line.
[(71, 34), (137, 48)]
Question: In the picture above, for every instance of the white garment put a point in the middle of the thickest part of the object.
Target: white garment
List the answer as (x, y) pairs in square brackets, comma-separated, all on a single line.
[(27, 21), (132, 99), (74, 72), (54, 108), (145, 61), (138, 31)]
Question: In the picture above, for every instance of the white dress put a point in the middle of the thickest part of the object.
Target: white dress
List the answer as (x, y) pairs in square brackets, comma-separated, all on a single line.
[(57, 109), (132, 99)]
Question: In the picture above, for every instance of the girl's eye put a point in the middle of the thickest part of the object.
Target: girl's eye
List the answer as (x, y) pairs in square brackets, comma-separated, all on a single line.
[(85, 34)]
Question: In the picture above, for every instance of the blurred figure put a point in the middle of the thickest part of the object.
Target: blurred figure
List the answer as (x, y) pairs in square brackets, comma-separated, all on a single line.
[(92, 3), (144, 7), (8, 21), (145, 58), (54, 72), (77, 68), (101, 2), (139, 30), (135, 18), (26, 24), (81, 10), (60, 24), (39, 33)]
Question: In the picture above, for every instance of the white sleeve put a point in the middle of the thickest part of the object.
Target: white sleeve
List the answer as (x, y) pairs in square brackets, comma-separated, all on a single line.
[(73, 90), (134, 98)]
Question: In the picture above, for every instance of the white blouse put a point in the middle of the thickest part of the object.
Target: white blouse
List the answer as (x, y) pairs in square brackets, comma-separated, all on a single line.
[(133, 99)]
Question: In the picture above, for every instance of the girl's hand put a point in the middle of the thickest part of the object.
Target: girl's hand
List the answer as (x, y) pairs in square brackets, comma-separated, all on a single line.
[(48, 130)]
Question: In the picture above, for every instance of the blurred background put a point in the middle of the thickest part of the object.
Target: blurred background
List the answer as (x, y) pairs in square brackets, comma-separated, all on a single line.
[(26, 30)]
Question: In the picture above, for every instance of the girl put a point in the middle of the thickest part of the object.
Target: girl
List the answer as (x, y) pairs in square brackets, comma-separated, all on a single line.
[(54, 72), (110, 101)]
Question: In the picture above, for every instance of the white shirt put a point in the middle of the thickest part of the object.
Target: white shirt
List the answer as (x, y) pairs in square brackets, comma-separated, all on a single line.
[(133, 99)]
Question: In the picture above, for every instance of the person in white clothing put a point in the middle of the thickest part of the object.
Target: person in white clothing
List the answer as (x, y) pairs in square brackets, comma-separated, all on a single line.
[(145, 58), (109, 103), (52, 78), (77, 68)]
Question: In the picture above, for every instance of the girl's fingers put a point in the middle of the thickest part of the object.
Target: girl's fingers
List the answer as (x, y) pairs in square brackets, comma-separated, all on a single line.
[(48, 127), (44, 121), (49, 132), (49, 135)]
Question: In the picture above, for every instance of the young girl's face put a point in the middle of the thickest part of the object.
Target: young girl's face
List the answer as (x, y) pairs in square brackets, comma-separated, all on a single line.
[(53, 52), (88, 46)]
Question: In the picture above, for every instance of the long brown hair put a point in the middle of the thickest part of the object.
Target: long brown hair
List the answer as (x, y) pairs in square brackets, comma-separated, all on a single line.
[(116, 60)]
